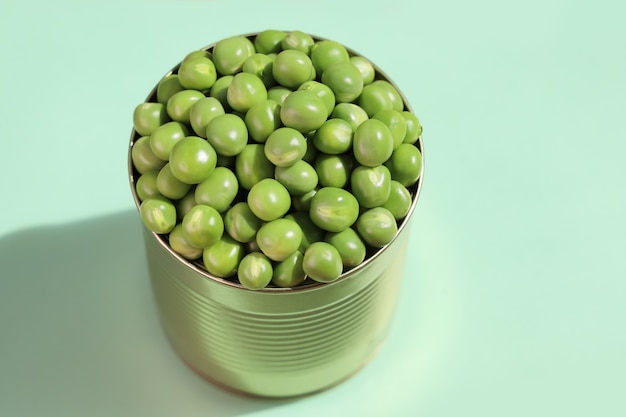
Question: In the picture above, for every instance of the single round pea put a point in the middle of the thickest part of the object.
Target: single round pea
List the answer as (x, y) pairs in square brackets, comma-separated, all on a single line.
[(202, 226), (322, 91), (278, 93), (170, 186), (394, 95), (333, 137), (230, 53), (279, 238), (244, 91), (303, 111), (345, 80), (310, 232), (289, 272), (334, 170), (179, 244), (146, 186), (262, 119), (268, 199), (185, 203), (292, 68), (240, 222), (297, 40), (374, 99), (333, 209), (298, 179), (165, 137), (322, 262), (405, 164), (192, 160), (396, 124), (197, 72), (218, 190), (365, 68), (223, 257), (327, 52), (143, 158), (285, 146), (269, 41), (148, 116), (220, 90), (351, 113), (400, 200), (158, 215), (180, 104), (227, 133), (252, 166), (371, 185), (349, 245), (377, 226), (167, 87), (372, 143), (303, 202), (261, 66), (202, 112), (413, 127), (255, 271)]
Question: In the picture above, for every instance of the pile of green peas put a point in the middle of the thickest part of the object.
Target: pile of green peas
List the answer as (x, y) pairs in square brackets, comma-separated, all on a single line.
[(274, 159)]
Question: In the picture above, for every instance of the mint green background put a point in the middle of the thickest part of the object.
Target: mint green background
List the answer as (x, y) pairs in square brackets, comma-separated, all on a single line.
[(514, 293)]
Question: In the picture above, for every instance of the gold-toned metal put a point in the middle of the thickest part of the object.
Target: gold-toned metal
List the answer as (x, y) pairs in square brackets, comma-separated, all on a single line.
[(276, 342)]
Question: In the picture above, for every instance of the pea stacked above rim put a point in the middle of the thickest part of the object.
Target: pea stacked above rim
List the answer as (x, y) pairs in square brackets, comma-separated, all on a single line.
[(275, 159)]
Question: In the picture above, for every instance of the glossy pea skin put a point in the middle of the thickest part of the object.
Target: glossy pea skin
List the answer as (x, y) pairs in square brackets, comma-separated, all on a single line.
[(303, 111), (262, 119), (400, 200), (351, 113), (285, 146), (279, 238), (371, 185), (261, 66), (252, 166), (322, 262), (297, 40), (223, 257), (292, 68), (268, 199), (377, 226), (197, 72), (158, 215), (218, 190), (333, 137), (185, 203), (413, 127), (333, 209), (372, 143), (227, 133), (179, 244), (345, 80), (278, 93), (322, 91), (148, 116), (374, 99), (396, 124), (327, 52), (289, 272), (146, 186), (170, 186), (165, 137), (310, 232), (334, 170), (202, 112), (298, 179), (192, 160), (143, 158), (394, 95), (244, 91), (202, 226), (220, 90), (349, 245), (255, 271), (405, 164), (269, 41), (240, 222), (167, 87), (365, 67), (230, 53), (180, 104)]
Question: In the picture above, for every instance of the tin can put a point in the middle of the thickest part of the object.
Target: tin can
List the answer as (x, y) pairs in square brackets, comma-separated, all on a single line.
[(276, 342)]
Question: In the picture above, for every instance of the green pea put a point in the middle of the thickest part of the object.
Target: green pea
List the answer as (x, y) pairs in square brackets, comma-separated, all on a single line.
[(170, 186), (269, 41), (372, 143), (223, 257), (298, 179), (349, 245), (413, 127), (179, 105), (303, 202), (227, 133), (146, 186), (202, 226), (303, 111), (311, 151), (143, 158), (297, 40), (400, 200), (289, 272), (345, 80), (252, 166), (333, 209), (396, 124), (165, 137), (333, 137), (220, 90), (310, 232), (148, 116), (365, 67), (255, 271), (292, 68), (322, 262), (185, 203), (278, 93), (240, 222), (262, 119), (179, 244), (202, 112), (377, 226), (374, 99), (197, 72), (167, 87), (405, 164), (285, 146), (198, 53), (327, 52), (218, 190), (260, 65), (268, 199), (371, 185), (158, 215), (334, 170), (192, 160), (394, 94), (244, 91), (322, 91), (229, 54), (279, 238), (351, 113)]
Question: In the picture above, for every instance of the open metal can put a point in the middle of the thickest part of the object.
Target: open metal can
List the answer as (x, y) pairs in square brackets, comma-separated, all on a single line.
[(276, 342)]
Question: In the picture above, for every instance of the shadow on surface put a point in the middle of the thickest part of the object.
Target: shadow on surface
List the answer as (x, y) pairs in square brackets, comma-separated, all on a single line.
[(79, 331)]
